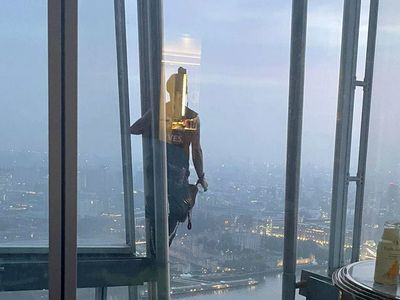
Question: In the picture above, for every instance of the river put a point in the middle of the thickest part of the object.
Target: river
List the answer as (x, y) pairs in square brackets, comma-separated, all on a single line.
[(270, 288)]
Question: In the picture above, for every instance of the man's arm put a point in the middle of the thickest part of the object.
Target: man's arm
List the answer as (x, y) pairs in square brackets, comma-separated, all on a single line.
[(197, 157), (143, 125)]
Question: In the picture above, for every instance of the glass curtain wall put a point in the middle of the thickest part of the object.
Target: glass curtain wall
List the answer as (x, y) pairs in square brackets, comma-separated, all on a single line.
[(24, 140), (23, 122), (324, 23), (237, 69), (101, 213), (135, 114), (108, 183), (382, 193), (230, 65), (102, 224)]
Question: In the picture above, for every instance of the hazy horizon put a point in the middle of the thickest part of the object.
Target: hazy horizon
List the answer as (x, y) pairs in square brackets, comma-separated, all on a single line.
[(242, 80)]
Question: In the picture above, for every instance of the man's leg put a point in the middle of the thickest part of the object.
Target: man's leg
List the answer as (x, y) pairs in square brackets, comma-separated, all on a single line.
[(150, 224), (178, 211), (172, 228)]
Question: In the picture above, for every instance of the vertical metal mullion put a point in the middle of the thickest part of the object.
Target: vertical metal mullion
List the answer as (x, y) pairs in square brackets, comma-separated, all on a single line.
[(123, 89), (365, 117), (62, 78), (159, 150), (142, 14), (344, 122), (145, 105), (148, 178), (293, 156), (55, 145), (100, 293)]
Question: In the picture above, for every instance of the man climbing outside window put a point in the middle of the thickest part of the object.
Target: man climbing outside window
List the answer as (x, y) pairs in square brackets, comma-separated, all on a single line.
[(182, 133)]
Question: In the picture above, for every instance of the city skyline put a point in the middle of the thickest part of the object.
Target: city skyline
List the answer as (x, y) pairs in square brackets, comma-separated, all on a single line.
[(239, 219), (238, 82)]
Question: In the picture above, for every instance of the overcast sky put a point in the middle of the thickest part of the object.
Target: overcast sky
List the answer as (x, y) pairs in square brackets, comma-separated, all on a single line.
[(243, 77)]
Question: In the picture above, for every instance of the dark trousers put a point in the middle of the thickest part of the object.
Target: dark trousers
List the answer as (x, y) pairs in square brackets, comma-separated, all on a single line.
[(178, 193)]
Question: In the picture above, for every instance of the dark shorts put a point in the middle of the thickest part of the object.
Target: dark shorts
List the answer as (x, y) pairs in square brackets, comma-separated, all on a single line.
[(178, 194)]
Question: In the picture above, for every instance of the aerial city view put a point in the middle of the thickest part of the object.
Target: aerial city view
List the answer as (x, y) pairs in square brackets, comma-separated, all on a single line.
[(237, 236), (236, 62)]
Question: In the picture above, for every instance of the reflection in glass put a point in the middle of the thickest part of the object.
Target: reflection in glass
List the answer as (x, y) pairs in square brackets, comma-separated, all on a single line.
[(182, 136), (237, 83)]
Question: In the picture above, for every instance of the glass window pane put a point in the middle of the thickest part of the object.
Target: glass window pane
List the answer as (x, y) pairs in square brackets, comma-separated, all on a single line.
[(237, 69), (85, 294), (135, 114), (324, 24), (25, 295), (118, 293), (24, 145), (100, 189), (382, 193), (23, 123)]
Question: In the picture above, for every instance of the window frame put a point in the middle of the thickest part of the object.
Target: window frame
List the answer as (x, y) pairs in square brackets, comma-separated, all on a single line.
[(63, 266)]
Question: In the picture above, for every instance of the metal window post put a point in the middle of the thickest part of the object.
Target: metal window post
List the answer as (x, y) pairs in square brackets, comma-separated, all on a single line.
[(147, 147), (347, 81), (159, 150), (150, 51), (123, 89), (100, 293), (145, 106), (293, 156), (365, 117), (62, 85)]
